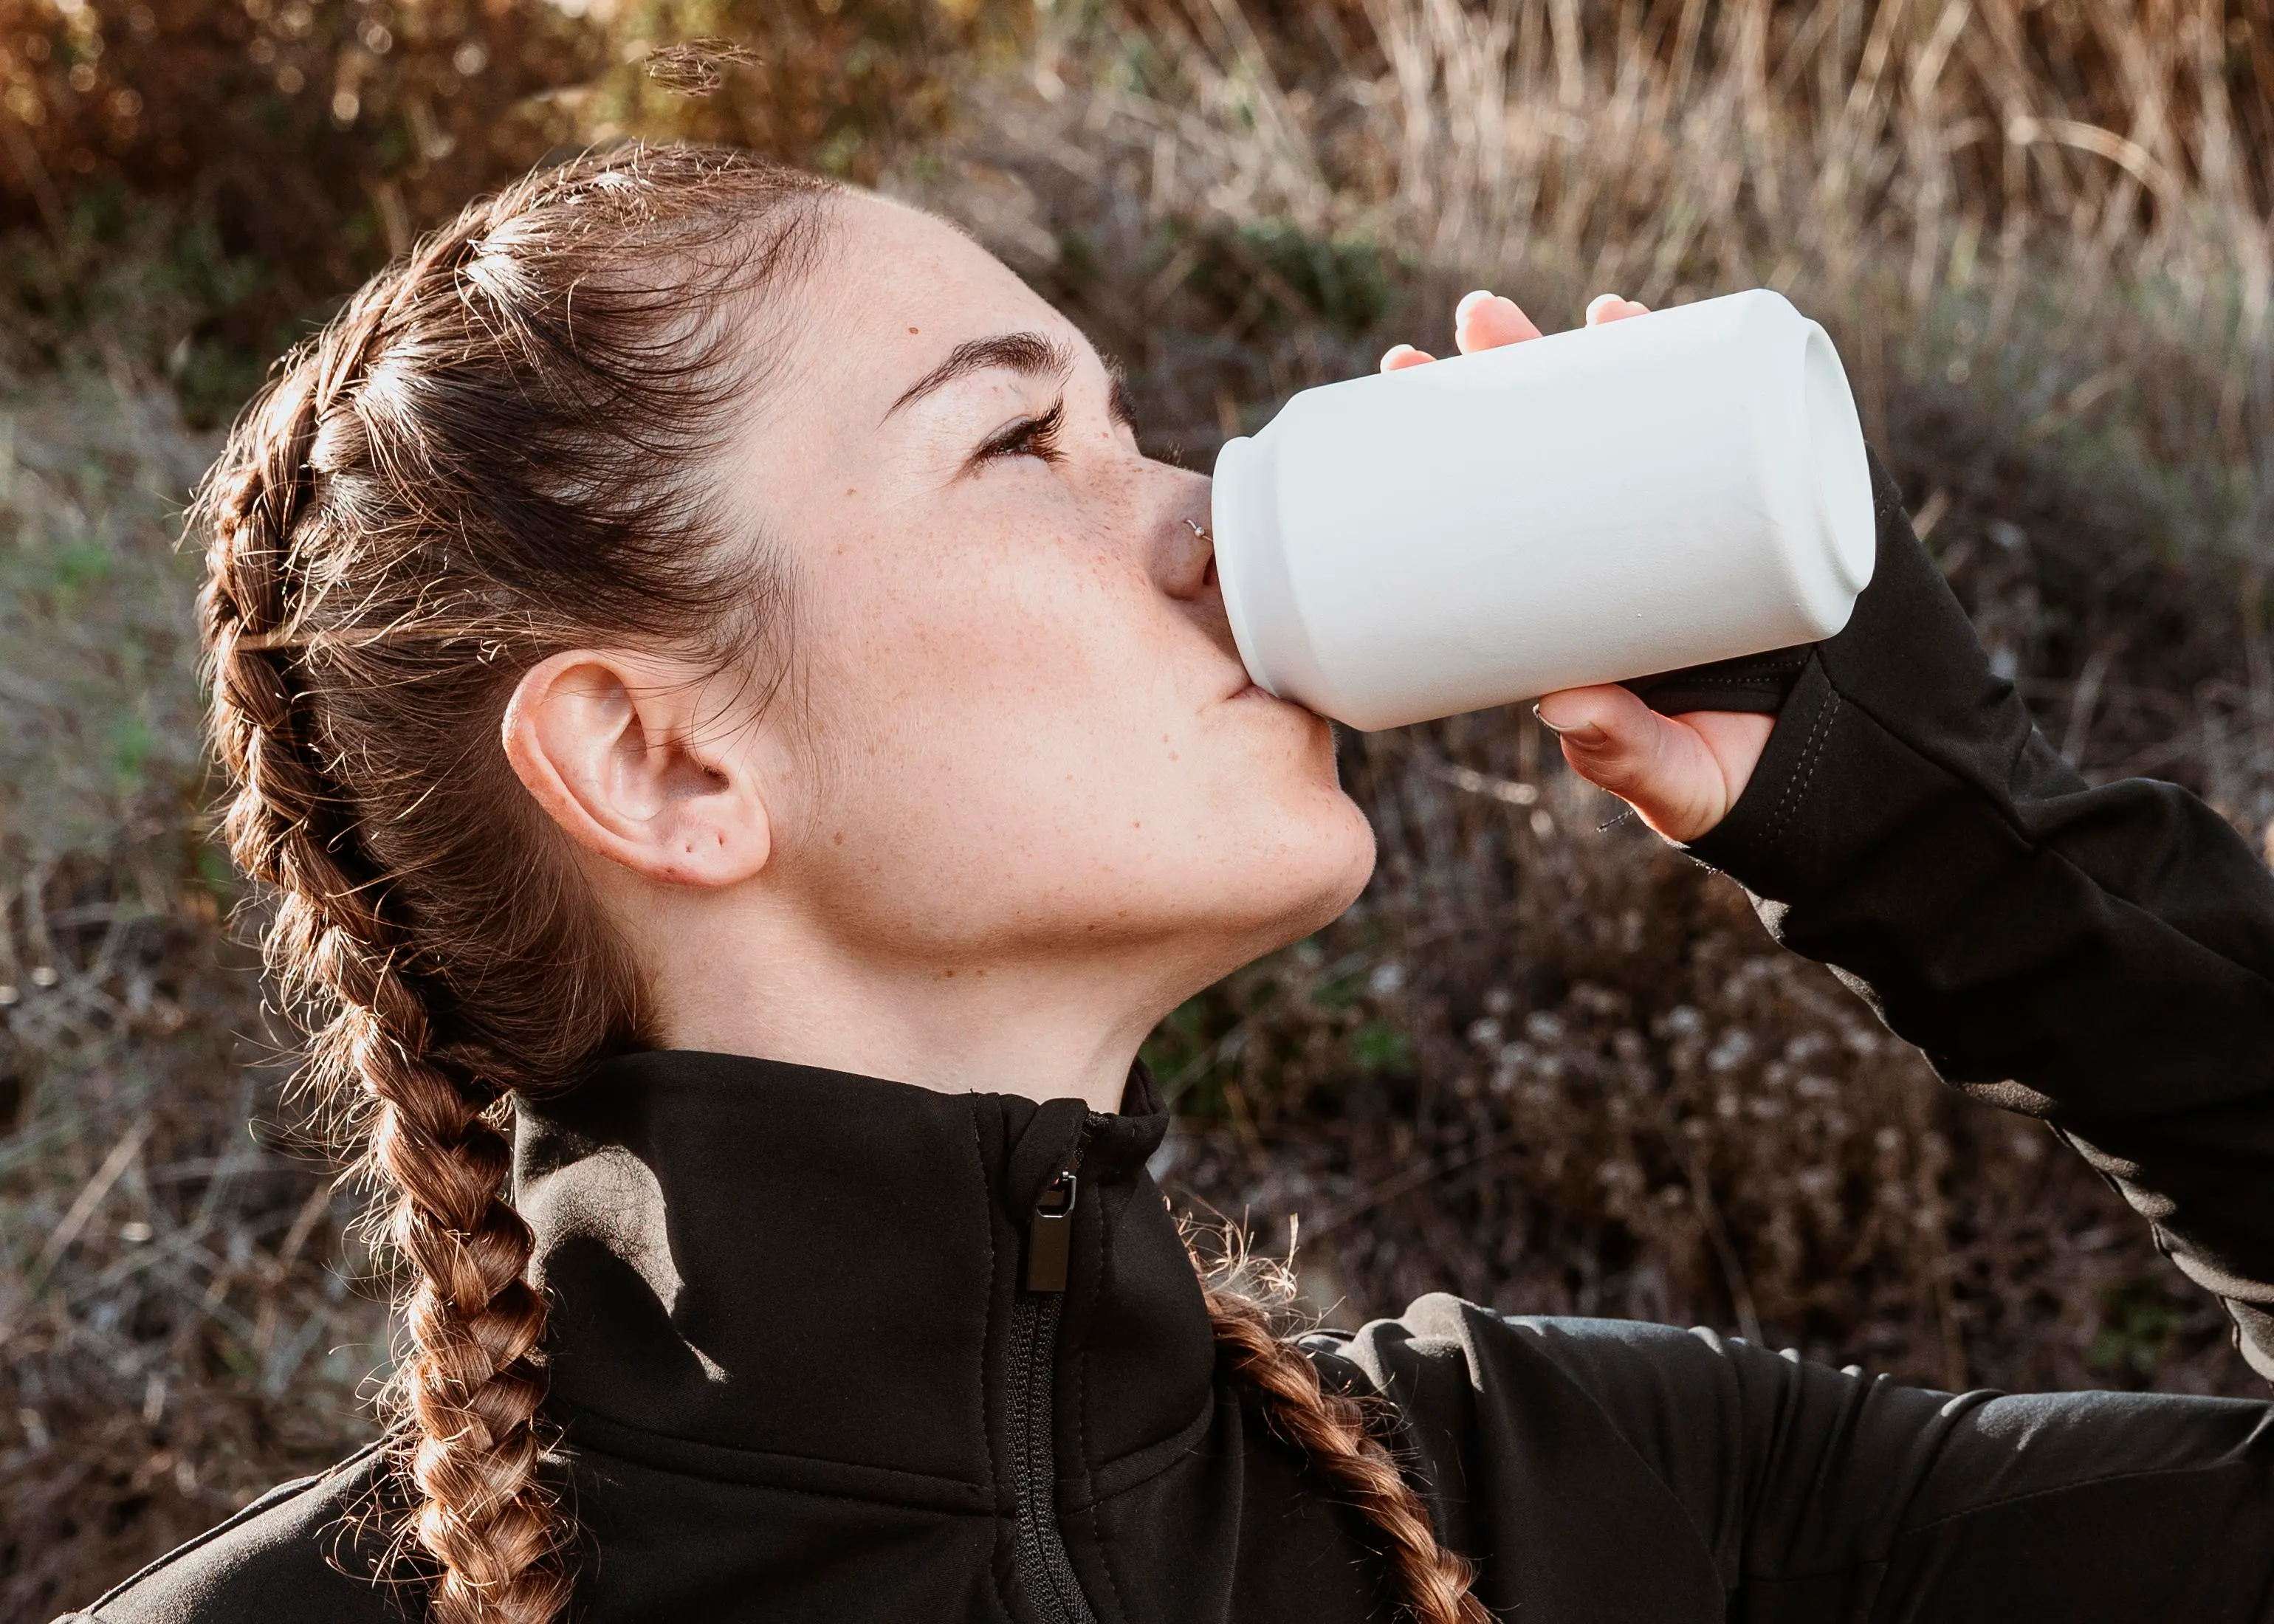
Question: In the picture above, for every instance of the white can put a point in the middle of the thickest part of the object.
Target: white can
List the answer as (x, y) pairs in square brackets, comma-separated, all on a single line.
[(1677, 487)]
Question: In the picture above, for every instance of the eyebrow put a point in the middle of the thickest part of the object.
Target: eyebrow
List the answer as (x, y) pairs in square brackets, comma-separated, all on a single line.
[(1028, 354)]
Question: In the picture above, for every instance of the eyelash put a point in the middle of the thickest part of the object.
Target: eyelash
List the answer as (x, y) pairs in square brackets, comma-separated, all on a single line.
[(1037, 437)]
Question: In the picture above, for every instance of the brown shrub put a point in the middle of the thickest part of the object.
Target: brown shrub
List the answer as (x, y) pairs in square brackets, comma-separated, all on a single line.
[(320, 133), (317, 137)]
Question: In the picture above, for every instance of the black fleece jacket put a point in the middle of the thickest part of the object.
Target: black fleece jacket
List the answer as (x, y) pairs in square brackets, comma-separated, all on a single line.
[(801, 1375)]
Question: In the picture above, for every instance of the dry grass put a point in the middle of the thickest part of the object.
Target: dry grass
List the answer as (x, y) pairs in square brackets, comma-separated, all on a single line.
[(1547, 1064), (177, 1324), (1935, 180)]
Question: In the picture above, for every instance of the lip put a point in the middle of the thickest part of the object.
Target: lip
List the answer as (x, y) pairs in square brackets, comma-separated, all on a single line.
[(1242, 688), (1249, 693)]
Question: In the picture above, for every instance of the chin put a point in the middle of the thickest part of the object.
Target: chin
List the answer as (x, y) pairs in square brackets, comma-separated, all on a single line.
[(1336, 899), (1337, 861)]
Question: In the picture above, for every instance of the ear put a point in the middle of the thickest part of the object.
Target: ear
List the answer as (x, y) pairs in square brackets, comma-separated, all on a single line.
[(615, 748)]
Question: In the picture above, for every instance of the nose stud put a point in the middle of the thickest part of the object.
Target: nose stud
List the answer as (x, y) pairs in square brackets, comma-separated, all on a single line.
[(1199, 531)]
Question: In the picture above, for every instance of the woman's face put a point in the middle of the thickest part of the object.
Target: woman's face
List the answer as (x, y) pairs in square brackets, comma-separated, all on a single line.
[(1017, 727)]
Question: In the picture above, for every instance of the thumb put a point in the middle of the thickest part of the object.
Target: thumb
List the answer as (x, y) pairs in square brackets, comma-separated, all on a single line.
[(1661, 766)]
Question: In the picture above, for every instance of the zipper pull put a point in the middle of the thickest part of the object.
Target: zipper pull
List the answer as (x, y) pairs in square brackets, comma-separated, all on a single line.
[(1049, 1234)]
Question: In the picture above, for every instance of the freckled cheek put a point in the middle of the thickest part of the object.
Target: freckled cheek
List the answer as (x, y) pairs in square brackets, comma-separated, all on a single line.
[(1009, 627)]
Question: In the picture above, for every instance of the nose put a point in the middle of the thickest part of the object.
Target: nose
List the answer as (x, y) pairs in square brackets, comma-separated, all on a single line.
[(1184, 551)]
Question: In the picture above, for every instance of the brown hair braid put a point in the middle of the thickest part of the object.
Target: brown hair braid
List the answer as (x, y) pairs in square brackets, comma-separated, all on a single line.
[(450, 482), (1338, 1433), (500, 449)]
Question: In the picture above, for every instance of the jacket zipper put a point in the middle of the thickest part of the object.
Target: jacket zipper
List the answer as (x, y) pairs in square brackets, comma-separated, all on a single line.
[(1045, 1572)]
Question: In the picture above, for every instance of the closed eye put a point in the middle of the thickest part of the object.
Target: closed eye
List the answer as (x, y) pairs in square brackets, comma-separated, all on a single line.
[(1035, 436)]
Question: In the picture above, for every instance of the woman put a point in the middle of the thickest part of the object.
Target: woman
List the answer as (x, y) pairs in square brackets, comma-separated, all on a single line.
[(745, 748)]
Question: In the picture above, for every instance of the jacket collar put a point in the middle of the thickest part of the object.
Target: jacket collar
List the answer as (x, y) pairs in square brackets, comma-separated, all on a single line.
[(796, 1262)]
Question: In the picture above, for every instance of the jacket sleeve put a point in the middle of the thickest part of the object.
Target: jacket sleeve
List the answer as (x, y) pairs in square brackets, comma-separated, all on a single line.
[(2100, 957), (1627, 1473)]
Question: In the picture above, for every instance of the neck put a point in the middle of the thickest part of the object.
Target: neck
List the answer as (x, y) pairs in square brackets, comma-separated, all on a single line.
[(1054, 1026)]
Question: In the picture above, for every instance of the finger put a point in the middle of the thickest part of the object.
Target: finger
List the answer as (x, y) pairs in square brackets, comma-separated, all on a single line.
[(1610, 307), (1486, 321), (1665, 770), (1397, 357), (1736, 739)]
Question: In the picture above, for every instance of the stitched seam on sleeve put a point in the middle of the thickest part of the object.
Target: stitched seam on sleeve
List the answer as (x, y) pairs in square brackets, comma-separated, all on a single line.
[(1766, 678), (1796, 789)]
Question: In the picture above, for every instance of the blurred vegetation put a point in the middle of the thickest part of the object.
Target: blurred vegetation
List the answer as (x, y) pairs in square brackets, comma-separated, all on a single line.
[(264, 156), (1545, 1062)]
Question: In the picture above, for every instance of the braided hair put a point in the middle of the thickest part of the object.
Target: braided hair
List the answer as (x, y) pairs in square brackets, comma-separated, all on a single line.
[(1339, 1437), (497, 450)]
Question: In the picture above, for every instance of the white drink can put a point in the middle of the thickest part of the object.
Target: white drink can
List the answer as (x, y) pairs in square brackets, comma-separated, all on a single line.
[(1674, 488)]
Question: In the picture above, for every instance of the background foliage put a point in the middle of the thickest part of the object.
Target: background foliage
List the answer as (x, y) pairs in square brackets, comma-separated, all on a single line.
[(1545, 1063)]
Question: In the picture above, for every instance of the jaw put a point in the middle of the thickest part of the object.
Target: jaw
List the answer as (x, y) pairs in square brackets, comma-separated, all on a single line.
[(1055, 1014)]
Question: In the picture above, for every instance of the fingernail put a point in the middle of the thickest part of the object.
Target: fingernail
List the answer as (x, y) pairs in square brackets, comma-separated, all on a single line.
[(1599, 301), (1390, 355), (1469, 301), (1586, 733)]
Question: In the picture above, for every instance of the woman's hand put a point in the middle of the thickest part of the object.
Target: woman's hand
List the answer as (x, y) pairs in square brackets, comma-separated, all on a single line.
[(1681, 774)]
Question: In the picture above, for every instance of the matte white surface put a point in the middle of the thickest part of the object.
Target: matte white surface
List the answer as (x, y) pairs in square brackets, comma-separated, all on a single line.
[(1677, 487)]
